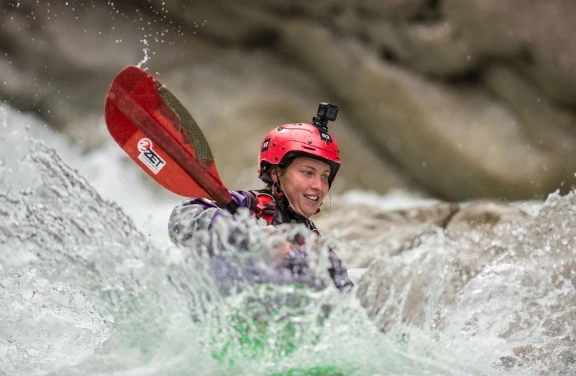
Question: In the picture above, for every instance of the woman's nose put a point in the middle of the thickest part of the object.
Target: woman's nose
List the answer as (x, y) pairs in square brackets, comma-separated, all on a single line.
[(317, 183)]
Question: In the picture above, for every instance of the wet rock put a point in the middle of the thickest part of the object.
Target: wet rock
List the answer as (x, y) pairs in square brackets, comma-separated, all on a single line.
[(480, 222), (370, 232)]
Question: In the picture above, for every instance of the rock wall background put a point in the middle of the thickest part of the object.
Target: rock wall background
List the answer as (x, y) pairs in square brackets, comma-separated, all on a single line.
[(458, 99)]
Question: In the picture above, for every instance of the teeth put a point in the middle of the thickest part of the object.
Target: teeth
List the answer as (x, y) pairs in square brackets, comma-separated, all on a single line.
[(315, 198)]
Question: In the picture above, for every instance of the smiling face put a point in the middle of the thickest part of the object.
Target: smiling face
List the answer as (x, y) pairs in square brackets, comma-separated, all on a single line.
[(305, 184)]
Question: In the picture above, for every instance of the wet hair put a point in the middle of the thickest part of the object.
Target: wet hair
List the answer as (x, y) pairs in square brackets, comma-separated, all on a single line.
[(282, 167)]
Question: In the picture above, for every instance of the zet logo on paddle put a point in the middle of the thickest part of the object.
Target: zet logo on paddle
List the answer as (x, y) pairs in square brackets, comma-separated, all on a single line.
[(149, 157)]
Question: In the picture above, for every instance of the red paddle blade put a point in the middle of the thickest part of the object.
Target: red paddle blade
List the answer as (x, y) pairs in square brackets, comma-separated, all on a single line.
[(160, 135)]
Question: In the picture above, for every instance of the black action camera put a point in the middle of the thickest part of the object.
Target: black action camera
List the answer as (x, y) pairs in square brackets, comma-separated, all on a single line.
[(326, 112)]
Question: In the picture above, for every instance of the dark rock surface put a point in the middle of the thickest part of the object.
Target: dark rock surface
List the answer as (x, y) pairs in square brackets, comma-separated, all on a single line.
[(458, 99)]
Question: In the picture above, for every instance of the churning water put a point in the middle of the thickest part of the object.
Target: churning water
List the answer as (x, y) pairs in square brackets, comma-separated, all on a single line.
[(84, 292)]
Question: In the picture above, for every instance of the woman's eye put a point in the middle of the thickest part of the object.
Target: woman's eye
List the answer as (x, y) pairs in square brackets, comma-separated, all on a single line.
[(308, 173), (325, 177)]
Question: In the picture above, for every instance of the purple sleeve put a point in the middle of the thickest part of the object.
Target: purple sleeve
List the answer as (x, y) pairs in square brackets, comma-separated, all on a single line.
[(199, 213), (239, 197)]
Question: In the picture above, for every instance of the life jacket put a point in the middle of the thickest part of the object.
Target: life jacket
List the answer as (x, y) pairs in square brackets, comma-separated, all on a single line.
[(275, 210)]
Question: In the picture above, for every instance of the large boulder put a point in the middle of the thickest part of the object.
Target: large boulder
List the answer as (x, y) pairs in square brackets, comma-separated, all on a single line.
[(371, 232), (457, 99)]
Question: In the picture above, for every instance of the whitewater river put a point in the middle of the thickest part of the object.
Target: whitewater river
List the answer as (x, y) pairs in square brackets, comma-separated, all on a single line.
[(91, 285)]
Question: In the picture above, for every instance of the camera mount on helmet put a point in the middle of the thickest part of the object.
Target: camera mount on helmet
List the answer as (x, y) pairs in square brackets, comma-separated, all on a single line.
[(326, 112)]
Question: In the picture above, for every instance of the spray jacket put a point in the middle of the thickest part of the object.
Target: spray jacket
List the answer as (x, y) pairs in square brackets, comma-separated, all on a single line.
[(200, 213)]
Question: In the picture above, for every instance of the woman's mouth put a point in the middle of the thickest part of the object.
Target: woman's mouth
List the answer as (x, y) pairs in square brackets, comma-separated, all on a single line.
[(312, 198)]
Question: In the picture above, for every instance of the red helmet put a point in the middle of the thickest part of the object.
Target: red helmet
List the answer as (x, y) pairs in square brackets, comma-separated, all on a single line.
[(289, 141)]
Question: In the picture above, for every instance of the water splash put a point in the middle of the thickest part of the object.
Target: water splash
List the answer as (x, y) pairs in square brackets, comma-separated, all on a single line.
[(68, 262), (145, 50), (98, 298), (83, 292), (510, 298)]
